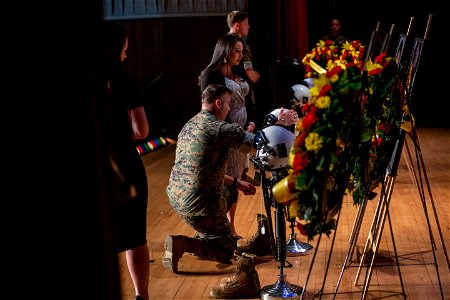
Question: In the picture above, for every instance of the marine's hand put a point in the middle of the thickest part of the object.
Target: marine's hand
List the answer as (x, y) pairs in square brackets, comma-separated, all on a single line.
[(288, 117), (253, 75), (246, 187), (251, 126)]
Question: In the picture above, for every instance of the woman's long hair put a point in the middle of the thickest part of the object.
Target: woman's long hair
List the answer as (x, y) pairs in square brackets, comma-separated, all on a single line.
[(113, 39), (222, 50)]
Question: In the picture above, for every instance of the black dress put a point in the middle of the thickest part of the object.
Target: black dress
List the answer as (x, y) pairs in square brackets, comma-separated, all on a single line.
[(130, 214)]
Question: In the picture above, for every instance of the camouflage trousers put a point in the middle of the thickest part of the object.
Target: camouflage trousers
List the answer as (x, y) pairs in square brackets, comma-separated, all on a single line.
[(215, 232)]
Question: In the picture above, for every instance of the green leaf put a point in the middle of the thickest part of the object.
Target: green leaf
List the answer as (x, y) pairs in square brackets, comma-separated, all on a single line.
[(366, 135)]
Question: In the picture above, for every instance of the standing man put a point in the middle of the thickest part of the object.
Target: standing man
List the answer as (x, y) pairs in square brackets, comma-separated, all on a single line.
[(238, 24)]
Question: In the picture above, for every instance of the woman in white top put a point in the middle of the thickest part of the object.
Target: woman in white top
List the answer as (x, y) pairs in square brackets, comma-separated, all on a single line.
[(223, 69)]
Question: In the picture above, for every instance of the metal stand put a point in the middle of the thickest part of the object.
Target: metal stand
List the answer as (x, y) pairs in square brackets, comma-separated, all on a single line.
[(382, 211), (375, 232), (294, 247), (281, 289), (419, 184), (320, 293)]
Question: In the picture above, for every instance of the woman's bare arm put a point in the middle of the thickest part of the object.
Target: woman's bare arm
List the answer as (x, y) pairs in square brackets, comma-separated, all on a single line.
[(139, 123)]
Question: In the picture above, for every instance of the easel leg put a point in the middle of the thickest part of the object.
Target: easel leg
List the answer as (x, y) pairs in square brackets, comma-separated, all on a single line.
[(421, 166)]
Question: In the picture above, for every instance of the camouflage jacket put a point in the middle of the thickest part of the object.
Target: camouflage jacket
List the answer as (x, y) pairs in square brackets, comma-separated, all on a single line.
[(196, 179)]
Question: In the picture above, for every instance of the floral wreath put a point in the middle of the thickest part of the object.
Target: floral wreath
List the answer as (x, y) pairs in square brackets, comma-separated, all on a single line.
[(381, 125), (324, 156)]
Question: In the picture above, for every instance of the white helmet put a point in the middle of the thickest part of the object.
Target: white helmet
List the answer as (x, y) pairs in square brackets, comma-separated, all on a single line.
[(299, 94), (309, 81), (276, 112), (273, 145)]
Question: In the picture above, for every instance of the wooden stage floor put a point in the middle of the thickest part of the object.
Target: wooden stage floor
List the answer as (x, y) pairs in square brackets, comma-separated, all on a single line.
[(408, 221)]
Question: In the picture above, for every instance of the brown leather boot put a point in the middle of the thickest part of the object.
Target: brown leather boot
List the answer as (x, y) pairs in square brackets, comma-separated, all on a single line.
[(259, 244), (175, 246), (244, 283)]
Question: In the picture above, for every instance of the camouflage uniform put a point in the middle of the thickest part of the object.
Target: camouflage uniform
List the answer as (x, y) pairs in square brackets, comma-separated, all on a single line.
[(247, 58), (196, 189)]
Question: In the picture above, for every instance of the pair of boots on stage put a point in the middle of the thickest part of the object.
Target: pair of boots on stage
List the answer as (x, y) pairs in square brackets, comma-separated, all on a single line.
[(244, 283)]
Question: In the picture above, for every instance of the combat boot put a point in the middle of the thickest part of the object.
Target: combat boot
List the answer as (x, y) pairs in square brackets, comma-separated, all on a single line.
[(244, 283), (175, 246), (259, 244)]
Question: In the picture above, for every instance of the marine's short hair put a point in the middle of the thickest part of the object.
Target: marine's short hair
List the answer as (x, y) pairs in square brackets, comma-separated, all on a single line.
[(213, 92), (236, 16)]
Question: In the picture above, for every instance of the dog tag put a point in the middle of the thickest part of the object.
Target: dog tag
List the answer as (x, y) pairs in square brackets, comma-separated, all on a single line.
[(263, 230)]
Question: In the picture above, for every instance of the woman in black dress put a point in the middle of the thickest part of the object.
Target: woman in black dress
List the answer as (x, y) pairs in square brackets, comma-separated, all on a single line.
[(128, 123)]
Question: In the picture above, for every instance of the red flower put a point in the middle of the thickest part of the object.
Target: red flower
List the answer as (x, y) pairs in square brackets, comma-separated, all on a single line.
[(375, 72), (336, 70), (384, 127), (305, 107), (300, 140), (300, 162), (310, 117), (350, 64), (365, 98), (324, 91), (379, 141), (373, 144), (380, 58)]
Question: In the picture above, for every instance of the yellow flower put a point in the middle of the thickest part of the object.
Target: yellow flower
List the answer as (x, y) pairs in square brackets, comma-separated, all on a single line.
[(333, 63), (347, 45), (372, 66), (313, 142), (299, 126), (319, 83), (291, 157), (340, 143), (293, 209), (314, 91), (323, 102), (321, 44), (334, 78)]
